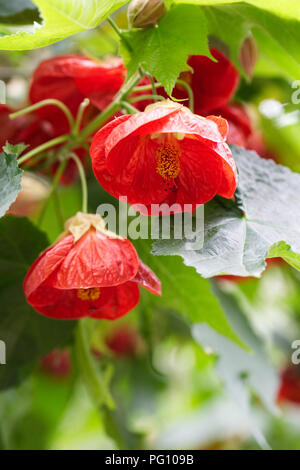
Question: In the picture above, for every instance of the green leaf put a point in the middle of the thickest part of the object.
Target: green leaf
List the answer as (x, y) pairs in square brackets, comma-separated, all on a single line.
[(61, 19), (184, 291), (14, 149), (277, 37), (263, 222), (288, 9), (10, 180), (240, 370), (28, 335), (274, 24), (163, 50)]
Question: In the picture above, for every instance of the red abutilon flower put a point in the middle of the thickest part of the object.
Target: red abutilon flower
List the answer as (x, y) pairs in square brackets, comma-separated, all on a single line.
[(165, 154), (72, 78), (89, 272), (213, 83), (57, 364)]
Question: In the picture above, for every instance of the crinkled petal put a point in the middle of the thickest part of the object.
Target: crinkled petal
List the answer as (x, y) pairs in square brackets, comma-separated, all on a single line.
[(112, 303), (96, 260), (146, 278)]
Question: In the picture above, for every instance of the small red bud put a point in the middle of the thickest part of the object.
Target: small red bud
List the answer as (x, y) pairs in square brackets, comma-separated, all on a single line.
[(145, 13)]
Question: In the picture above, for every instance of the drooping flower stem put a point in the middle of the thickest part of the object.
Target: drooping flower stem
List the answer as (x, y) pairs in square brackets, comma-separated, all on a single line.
[(79, 116), (43, 103), (55, 182), (94, 382), (189, 92), (111, 109), (83, 181), (134, 99), (146, 87), (41, 148), (127, 106)]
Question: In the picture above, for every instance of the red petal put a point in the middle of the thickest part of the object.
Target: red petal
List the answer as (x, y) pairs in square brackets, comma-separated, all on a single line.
[(221, 123), (118, 301), (146, 278), (213, 83), (96, 260), (112, 303), (70, 79), (200, 175), (46, 264), (229, 174)]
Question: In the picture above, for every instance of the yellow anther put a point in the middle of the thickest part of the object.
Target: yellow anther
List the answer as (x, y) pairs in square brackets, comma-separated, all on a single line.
[(92, 293)]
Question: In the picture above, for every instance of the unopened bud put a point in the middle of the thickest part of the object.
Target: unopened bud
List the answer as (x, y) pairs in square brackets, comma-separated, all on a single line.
[(145, 13), (34, 192), (249, 55)]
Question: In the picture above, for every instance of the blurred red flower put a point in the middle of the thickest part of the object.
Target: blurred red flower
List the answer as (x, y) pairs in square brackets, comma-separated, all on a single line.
[(213, 83), (289, 390), (165, 154), (33, 131), (72, 78), (124, 341), (88, 272), (57, 364), (28, 129)]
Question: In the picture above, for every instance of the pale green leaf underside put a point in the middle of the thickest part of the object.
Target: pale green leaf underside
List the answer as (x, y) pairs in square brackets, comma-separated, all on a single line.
[(61, 18), (10, 181), (262, 222)]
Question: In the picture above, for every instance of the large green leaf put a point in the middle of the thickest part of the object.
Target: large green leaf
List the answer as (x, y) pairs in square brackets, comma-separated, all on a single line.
[(163, 50), (10, 179), (184, 291), (274, 24), (27, 335), (262, 222), (61, 18), (289, 9), (241, 370)]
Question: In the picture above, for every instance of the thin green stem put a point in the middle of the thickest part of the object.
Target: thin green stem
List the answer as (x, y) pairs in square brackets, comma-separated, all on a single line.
[(130, 109), (146, 87), (110, 110), (119, 32), (48, 102), (95, 383), (146, 97), (79, 116), (152, 84), (33, 161), (189, 92), (83, 181), (99, 120), (41, 148), (56, 179)]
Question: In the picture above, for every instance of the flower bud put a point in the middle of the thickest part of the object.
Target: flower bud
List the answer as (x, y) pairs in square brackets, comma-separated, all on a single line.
[(145, 13), (34, 192), (249, 55)]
